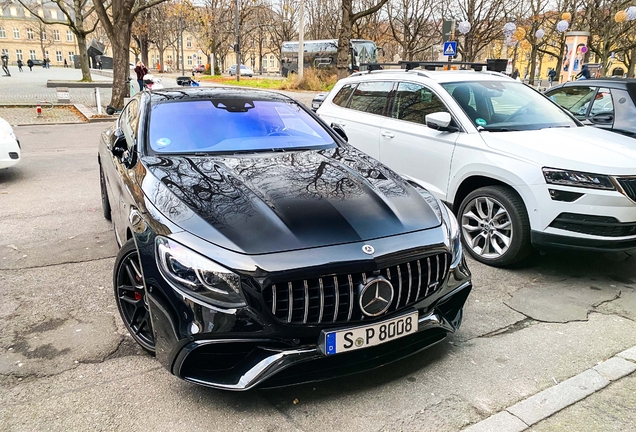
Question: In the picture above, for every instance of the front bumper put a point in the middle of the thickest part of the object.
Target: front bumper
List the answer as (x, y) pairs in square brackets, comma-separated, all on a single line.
[(241, 364), (9, 153)]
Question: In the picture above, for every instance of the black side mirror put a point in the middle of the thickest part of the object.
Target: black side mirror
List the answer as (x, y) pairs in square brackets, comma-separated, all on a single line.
[(340, 131), (118, 143)]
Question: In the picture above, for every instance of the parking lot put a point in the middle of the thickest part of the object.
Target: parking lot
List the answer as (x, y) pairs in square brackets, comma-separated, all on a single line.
[(66, 362)]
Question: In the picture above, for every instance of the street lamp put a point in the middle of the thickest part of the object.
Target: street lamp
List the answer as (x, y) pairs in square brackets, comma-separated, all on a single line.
[(236, 46)]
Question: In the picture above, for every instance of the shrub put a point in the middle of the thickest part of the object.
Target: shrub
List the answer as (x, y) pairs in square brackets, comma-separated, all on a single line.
[(313, 79)]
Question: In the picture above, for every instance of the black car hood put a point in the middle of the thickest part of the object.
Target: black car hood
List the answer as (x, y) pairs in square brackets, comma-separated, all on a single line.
[(274, 202)]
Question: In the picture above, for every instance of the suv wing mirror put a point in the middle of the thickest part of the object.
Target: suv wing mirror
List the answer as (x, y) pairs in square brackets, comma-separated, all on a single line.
[(441, 121), (340, 131), (118, 143)]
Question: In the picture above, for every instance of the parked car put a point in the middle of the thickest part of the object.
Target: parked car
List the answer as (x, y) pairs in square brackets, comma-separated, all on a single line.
[(9, 145), (516, 168), (198, 68), (245, 71), (605, 103), (258, 247), (317, 101)]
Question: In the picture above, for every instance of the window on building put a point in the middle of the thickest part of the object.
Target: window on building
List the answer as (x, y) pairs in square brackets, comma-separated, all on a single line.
[(189, 42), (18, 54), (264, 62), (56, 35), (58, 56), (16, 33), (3, 33), (71, 56), (32, 54), (69, 36), (29, 34), (43, 35), (54, 14), (13, 10), (189, 60), (271, 61)]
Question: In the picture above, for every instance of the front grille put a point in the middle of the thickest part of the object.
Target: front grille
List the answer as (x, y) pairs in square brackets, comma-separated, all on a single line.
[(334, 298), (604, 226), (629, 186)]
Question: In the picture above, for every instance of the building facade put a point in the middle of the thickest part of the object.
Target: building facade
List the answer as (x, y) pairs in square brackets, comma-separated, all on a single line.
[(23, 36)]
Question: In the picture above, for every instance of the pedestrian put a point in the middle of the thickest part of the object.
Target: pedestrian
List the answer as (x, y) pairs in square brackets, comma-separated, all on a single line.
[(141, 70), (20, 64), (99, 64), (551, 76), (65, 63), (515, 74), (584, 74), (48, 63), (30, 65), (5, 64)]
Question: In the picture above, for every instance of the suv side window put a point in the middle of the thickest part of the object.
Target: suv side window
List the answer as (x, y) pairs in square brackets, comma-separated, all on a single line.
[(574, 99), (342, 97), (371, 97), (413, 102), (602, 103)]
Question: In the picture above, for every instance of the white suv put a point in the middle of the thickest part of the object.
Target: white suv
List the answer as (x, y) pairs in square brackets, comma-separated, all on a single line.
[(516, 168)]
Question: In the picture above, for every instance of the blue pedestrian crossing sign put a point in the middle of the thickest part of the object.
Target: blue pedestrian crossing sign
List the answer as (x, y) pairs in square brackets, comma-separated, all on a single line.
[(450, 48)]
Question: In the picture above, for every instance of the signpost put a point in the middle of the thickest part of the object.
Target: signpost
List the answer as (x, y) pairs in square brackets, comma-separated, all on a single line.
[(450, 48)]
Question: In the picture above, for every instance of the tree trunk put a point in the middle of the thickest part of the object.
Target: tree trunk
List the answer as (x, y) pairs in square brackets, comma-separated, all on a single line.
[(81, 46), (143, 48), (533, 63), (121, 70), (344, 40), (161, 59), (632, 63)]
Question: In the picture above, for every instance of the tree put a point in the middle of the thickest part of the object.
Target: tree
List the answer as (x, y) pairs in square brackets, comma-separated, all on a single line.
[(412, 26), (349, 18), (76, 14), (117, 19), (43, 38), (164, 28)]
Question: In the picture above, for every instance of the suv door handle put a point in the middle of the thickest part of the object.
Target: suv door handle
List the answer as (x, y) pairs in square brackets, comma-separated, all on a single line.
[(387, 134)]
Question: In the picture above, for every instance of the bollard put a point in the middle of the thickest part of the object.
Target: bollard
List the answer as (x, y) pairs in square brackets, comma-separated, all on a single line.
[(38, 109)]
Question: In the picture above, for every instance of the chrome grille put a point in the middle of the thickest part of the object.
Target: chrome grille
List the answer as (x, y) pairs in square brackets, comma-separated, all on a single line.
[(629, 186), (334, 298)]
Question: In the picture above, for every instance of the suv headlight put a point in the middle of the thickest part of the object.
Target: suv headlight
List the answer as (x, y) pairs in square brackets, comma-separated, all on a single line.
[(578, 179), (452, 228), (198, 276)]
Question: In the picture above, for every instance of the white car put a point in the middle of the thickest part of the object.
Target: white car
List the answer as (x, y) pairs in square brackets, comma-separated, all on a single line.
[(9, 145), (518, 170), (245, 71)]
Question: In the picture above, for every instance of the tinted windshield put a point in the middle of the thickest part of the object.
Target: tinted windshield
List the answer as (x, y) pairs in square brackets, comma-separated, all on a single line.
[(233, 125), (506, 106)]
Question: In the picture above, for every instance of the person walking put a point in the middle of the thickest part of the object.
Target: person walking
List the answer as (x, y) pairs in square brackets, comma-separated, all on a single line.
[(65, 63), (30, 65), (551, 76), (20, 64), (5, 64), (99, 64), (141, 70)]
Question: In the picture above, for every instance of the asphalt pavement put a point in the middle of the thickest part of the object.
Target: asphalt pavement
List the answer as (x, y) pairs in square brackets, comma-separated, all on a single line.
[(67, 363)]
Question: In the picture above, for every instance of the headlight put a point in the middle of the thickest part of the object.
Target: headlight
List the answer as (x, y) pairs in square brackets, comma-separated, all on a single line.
[(578, 179), (452, 227), (198, 276)]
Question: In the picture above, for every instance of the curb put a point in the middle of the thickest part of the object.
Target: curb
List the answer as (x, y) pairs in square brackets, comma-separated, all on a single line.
[(542, 405)]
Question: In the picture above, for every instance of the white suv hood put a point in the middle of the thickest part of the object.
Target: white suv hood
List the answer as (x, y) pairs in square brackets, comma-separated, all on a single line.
[(579, 148)]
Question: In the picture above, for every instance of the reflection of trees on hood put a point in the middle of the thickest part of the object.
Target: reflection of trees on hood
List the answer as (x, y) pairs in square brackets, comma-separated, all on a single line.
[(222, 189)]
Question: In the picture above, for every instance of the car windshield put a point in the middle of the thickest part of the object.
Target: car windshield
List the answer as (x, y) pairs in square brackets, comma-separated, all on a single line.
[(498, 106), (234, 125)]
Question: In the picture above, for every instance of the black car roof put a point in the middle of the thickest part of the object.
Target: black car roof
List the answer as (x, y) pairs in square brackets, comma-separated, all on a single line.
[(605, 82), (195, 93)]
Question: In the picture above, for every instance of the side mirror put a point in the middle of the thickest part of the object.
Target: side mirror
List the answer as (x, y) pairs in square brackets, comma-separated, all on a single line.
[(441, 121), (340, 131), (119, 145)]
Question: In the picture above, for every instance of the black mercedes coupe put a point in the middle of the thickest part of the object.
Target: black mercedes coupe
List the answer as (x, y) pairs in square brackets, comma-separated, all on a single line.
[(259, 248)]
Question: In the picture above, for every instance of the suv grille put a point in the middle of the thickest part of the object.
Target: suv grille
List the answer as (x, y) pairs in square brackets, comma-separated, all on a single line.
[(629, 186), (334, 299)]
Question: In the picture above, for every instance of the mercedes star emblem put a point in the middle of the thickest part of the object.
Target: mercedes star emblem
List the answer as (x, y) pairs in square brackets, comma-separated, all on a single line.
[(368, 249), (376, 296)]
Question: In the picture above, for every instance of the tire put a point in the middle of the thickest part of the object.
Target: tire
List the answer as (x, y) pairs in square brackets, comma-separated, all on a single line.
[(495, 226), (105, 203), (130, 295)]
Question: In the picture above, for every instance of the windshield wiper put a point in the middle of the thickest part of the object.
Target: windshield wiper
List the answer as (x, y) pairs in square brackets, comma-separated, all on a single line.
[(500, 129)]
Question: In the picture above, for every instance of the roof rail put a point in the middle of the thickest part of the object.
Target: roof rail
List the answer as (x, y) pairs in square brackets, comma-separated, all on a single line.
[(491, 65)]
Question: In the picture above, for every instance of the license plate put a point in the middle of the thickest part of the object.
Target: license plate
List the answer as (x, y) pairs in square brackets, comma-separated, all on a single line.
[(375, 334)]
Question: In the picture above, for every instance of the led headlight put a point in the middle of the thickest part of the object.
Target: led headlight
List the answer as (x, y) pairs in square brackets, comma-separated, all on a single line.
[(197, 276), (452, 227), (578, 179)]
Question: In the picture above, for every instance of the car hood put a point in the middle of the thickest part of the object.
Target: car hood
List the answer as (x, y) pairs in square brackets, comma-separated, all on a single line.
[(584, 148), (274, 202)]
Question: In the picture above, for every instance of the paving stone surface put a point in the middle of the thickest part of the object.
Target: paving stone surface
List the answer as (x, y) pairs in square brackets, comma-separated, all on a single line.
[(615, 368), (26, 115), (500, 422)]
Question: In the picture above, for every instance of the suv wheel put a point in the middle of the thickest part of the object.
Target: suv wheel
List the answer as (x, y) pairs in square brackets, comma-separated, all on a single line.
[(495, 226), (131, 296), (105, 202)]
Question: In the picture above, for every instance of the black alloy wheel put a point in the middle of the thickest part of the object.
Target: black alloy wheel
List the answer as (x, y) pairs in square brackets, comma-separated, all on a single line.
[(105, 202), (131, 296)]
